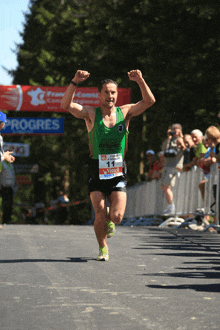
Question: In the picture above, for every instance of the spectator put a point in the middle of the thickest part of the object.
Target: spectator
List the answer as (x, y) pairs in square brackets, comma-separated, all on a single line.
[(52, 215), (205, 141), (40, 212), (8, 186), (205, 166), (173, 164), (7, 155), (189, 153), (161, 161), (152, 165), (62, 210), (197, 136), (180, 144), (213, 138)]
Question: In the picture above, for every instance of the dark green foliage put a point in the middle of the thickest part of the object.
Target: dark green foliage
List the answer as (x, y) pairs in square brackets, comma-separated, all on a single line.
[(175, 43)]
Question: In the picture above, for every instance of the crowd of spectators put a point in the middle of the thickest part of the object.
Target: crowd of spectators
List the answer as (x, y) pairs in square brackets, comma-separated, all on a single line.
[(182, 152), (56, 214)]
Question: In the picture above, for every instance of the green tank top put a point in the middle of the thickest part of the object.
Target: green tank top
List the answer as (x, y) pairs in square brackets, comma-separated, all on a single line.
[(104, 140)]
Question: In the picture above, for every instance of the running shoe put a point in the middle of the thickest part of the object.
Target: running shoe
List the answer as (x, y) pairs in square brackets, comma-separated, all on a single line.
[(111, 228), (169, 210), (110, 225), (103, 254)]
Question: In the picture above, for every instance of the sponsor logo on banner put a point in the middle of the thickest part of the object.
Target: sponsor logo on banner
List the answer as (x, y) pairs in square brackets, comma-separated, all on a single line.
[(42, 98), (33, 126), (37, 97), (19, 149)]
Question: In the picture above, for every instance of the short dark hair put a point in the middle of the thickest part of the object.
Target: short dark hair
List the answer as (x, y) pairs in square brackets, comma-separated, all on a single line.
[(106, 81)]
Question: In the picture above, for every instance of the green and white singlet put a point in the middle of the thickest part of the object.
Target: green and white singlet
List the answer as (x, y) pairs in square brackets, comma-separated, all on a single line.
[(108, 145)]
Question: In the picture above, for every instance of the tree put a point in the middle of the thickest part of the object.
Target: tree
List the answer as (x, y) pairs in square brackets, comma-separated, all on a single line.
[(174, 43)]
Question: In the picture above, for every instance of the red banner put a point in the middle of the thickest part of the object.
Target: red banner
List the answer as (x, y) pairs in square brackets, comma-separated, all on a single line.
[(23, 179), (38, 98)]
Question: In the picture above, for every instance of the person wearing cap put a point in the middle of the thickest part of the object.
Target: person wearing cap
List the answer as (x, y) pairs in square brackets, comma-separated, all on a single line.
[(160, 163), (152, 165), (7, 155), (8, 189), (150, 152)]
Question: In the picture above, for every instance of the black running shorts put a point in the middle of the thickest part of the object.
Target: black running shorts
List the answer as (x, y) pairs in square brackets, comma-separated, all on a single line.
[(106, 186)]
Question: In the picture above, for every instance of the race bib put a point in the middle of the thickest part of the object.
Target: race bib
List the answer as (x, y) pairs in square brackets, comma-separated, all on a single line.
[(110, 166)]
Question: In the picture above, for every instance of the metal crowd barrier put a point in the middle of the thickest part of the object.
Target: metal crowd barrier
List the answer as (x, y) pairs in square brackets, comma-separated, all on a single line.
[(147, 201)]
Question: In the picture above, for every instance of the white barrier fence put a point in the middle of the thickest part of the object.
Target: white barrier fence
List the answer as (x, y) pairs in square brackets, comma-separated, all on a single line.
[(147, 198)]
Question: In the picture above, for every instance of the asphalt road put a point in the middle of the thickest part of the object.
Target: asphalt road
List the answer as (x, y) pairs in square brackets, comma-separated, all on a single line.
[(160, 279)]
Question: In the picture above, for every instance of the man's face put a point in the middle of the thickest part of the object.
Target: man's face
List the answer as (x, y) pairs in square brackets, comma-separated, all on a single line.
[(196, 138), (108, 95), (150, 157), (180, 144), (210, 142), (177, 129), (188, 141), (2, 125)]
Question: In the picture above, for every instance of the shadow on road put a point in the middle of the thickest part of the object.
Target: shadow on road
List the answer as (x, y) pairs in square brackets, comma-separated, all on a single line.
[(46, 260), (195, 254), (196, 287)]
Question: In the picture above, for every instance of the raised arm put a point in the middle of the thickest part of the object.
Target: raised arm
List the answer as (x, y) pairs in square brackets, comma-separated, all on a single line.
[(147, 96), (67, 102)]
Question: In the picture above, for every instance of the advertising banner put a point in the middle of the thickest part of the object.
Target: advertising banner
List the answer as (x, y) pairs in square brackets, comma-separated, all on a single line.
[(19, 149), (23, 179), (26, 168), (33, 126), (41, 98)]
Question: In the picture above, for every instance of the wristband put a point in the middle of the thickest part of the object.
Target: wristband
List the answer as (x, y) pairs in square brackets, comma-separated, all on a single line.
[(74, 84)]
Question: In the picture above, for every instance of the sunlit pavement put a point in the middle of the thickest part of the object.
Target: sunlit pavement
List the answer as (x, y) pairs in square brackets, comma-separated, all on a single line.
[(155, 279)]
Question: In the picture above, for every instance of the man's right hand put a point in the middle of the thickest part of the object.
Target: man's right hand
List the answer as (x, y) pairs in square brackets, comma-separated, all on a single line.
[(81, 76)]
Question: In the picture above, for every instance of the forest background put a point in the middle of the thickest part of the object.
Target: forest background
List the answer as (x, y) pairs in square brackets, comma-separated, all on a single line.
[(176, 45)]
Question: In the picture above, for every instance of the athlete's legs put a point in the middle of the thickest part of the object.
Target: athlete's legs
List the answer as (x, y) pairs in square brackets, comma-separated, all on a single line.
[(117, 201), (99, 204)]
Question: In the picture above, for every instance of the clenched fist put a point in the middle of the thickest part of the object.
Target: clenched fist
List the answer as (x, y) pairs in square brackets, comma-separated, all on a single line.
[(80, 76), (135, 75)]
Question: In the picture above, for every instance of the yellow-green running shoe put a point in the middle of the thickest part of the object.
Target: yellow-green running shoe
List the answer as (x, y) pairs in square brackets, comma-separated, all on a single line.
[(111, 228), (103, 254)]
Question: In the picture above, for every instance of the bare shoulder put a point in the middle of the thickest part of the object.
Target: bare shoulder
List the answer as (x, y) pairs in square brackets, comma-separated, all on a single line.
[(125, 109), (90, 118), (85, 112), (91, 112)]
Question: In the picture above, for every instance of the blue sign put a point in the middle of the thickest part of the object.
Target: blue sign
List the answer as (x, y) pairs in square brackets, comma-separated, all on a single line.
[(33, 126)]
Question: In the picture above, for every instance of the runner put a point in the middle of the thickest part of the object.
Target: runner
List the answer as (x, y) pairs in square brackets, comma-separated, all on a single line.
[(107, 128)]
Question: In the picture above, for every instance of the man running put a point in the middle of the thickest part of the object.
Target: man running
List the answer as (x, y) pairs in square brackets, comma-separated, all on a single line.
[(107, 128)]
